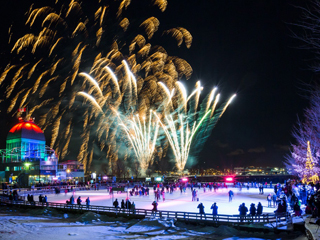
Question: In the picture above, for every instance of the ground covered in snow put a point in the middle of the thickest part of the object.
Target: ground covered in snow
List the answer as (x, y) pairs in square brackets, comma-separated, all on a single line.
[(177, 201), (48, 224)]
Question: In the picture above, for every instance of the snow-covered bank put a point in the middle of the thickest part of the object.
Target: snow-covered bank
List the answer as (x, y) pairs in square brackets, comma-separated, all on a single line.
[(47, 224)]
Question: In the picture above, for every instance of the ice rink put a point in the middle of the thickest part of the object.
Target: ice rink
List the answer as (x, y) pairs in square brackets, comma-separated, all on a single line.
[(177, 201)]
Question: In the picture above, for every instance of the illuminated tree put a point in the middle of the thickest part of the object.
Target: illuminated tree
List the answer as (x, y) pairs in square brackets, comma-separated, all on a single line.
[(307, 167), (302, 156)]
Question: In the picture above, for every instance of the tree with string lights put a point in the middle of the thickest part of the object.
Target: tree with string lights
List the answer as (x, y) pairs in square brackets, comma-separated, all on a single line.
[(307, 167)]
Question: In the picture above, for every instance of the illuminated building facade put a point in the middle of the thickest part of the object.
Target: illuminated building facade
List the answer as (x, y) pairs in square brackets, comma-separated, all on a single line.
[(27, 160), (70, 170)]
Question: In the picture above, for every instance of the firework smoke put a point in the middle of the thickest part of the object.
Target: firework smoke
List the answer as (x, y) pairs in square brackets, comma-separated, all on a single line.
[(64, 40)]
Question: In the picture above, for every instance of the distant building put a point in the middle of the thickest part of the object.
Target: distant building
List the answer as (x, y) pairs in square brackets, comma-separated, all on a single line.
[(27, 160), (251, 170), (70, 170), (239, 170)]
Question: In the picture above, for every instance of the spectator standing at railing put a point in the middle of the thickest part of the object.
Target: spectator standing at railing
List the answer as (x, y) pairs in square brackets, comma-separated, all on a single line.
[(252, 210), (122, 204), (72, 200), (133, 208), (15, 195), (116, 203), (87, 202), (243, 211), (45, 200), (259, 209), (214, 208), (79, 200), (31, 200), (201, 209)]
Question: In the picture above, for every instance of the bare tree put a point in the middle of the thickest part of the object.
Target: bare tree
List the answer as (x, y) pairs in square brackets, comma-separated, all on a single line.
[(308, 129), (310, 24)]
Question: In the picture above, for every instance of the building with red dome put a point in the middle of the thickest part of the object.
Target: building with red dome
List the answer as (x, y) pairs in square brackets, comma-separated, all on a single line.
[(27, 159)]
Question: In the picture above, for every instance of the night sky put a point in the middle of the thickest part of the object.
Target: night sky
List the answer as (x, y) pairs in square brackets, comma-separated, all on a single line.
[(244, 47)]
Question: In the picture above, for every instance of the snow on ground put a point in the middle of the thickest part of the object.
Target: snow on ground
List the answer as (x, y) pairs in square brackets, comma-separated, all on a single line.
[(52, 225), (177, 201)]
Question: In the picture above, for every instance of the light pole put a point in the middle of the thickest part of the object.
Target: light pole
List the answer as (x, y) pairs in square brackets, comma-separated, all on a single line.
[(68, 171), (27, 164)]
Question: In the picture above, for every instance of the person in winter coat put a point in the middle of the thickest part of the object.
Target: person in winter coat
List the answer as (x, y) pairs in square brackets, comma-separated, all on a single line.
[(308, 209), (259, 209), (128, 204), (133, 208), (79, 200), (297, 209), (230, 195), (194, 195), (163, 196), (274, 199), (243, 211), (155, 208), (45, 200), (32, 200), (87, 202), (214, 208), (269, 199), (123, 204), (71, 200), (201, 208), (253, 209), (116, 203), (281, 208)]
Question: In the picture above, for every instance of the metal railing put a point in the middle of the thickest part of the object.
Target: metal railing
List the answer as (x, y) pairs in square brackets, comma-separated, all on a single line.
[(142, 213)]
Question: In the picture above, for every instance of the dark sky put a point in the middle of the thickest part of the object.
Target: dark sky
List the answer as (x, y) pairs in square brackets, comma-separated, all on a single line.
[(243, 47), (247, 47)]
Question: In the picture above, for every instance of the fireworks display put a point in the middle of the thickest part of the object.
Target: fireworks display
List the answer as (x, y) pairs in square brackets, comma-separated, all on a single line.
[(180, 124), (69, 70), (143, 137)]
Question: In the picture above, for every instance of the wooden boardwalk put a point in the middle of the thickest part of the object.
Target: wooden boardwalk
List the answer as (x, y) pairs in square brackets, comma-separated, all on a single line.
[(190, 217)]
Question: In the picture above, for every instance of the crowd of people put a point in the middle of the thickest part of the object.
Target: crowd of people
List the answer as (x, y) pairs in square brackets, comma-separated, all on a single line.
[(125, 205), (292, 196)]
